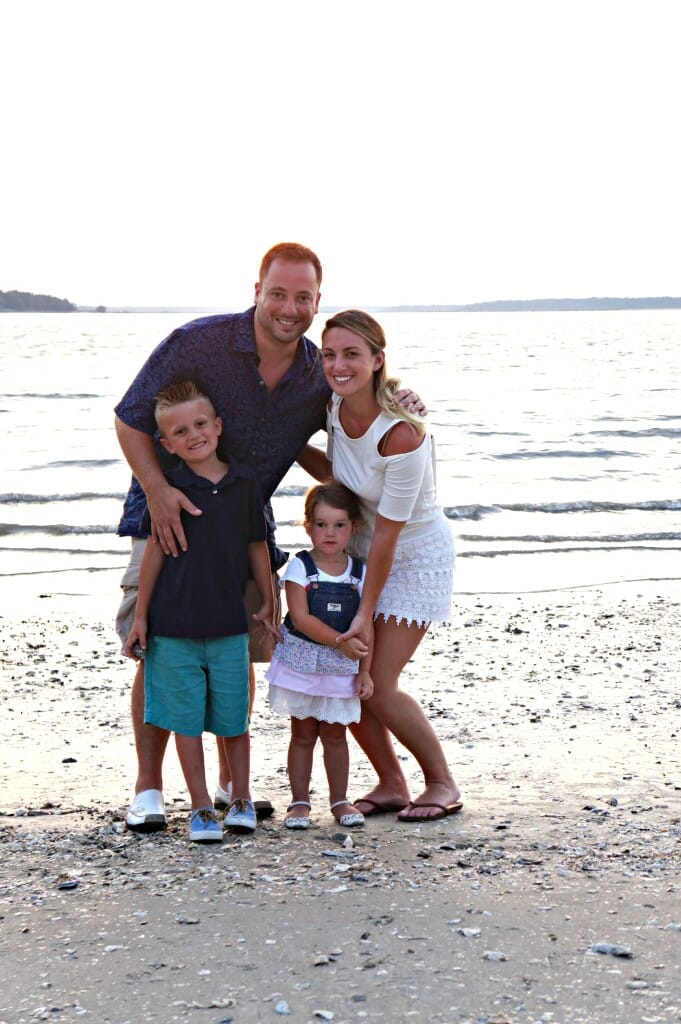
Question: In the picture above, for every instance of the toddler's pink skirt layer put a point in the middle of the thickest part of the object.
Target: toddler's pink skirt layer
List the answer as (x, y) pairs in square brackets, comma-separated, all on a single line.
[(300, 695)]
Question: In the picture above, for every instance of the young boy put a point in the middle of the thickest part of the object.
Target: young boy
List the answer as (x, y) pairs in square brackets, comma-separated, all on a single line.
[(190, 624)]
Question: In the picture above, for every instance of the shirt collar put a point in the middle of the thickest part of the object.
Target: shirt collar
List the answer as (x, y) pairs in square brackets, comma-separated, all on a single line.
[(182, 476)]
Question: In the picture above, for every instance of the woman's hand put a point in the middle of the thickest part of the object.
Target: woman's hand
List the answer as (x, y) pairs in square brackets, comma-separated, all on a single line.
[(360, 627), (354, 648)]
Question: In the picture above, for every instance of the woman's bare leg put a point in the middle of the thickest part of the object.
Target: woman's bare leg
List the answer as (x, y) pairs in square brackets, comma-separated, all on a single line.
[(391, 710)]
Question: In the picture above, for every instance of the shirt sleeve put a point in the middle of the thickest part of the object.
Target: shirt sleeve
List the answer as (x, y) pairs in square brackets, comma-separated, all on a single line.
[(403, 479), (294, 573), (171, 360)]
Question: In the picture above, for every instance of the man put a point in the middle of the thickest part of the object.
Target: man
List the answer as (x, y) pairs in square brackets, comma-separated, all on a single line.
[(266, 382)]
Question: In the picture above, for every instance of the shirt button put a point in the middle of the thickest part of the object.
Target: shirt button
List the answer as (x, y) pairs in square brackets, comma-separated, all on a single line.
[(215, 491)]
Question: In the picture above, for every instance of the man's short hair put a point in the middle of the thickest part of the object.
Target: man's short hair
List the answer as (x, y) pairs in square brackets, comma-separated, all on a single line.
[(291, 252)]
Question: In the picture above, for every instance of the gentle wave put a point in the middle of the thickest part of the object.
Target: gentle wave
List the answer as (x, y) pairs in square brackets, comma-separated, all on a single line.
[(557, 507), (573, 549), (53, 529), (566, 453), (48, 499), (547, 538), (78, 462), (650, 432), (51, 395)]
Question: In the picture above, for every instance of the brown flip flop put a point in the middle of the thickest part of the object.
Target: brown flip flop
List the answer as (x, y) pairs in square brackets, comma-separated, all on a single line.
[(376, 807), (444, 811)]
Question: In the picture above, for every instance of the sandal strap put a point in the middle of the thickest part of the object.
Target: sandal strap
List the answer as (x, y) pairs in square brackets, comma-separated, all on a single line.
[(339, 803), (300, 803)]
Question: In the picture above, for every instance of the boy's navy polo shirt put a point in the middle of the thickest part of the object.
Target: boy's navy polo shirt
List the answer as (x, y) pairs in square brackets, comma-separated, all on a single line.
[(200, 594), (266, 429)]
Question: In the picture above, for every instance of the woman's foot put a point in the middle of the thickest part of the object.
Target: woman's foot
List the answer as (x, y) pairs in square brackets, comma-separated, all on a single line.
[(436, 801), (382, 801)]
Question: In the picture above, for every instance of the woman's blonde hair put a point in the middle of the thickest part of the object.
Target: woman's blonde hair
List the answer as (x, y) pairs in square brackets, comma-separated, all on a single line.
[(364, 326)]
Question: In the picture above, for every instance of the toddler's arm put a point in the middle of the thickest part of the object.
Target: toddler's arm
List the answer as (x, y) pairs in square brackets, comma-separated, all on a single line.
[(296, 600)]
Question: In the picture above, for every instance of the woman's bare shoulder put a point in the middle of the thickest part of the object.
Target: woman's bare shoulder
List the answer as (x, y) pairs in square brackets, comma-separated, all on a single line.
[(400, 439)]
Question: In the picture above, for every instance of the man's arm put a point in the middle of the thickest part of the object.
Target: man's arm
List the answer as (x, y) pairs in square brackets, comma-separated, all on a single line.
[(314, 461), (165, 502), (261, 571)]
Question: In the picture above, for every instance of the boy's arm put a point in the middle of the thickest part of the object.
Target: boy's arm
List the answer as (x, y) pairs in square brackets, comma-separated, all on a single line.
[(150, 567), (259, 561), (314, 628)]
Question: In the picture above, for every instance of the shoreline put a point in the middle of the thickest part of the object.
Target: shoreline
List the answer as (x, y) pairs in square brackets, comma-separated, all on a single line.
[(560, 714)]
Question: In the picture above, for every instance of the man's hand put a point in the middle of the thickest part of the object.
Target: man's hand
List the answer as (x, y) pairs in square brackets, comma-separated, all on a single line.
[(410, 401), (165, 505), (264, 618)]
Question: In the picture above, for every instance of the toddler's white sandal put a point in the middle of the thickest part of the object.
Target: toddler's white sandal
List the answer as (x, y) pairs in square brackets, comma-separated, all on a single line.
[(351, 820), (299, 822)]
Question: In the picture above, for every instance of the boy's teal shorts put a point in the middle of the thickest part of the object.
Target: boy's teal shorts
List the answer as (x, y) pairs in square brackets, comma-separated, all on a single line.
[(197, 686)]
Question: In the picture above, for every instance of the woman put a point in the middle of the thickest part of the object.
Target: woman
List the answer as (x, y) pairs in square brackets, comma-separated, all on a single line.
[(384, 454)]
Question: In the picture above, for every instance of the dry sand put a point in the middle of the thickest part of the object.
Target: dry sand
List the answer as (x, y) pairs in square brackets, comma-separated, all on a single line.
[(561, 714)]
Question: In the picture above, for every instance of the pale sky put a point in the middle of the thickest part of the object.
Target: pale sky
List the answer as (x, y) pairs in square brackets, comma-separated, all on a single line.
[(441, 151)]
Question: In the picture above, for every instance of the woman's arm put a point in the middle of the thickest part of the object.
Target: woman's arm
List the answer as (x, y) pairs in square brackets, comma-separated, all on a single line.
[(379, 564), (259, 561), (400, 488)]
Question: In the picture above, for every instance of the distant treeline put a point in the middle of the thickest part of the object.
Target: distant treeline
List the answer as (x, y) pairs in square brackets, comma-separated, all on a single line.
[(530, 305), (26, 302)]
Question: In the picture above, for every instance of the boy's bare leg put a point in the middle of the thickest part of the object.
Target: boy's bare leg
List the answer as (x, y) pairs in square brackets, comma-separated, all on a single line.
[(224, 770), (238, 750), (190, 754)]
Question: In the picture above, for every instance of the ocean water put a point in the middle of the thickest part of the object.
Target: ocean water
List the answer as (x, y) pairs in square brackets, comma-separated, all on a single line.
[(557, 436)]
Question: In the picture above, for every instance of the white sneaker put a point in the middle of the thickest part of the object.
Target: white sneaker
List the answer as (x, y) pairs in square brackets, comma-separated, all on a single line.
[(147, 812), (223, 797)]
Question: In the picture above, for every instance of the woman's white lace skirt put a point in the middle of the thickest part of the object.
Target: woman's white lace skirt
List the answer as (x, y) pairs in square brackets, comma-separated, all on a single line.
[(419, 587)]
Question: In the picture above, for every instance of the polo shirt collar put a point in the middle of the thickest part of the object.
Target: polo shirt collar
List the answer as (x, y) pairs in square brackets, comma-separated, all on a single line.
[(182, 476)]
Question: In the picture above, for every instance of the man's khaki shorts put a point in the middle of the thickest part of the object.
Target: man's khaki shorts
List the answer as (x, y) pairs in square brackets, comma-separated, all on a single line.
[(260, 643)]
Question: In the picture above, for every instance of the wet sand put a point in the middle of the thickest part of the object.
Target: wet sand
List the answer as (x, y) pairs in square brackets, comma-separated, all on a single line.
[(555, 895)]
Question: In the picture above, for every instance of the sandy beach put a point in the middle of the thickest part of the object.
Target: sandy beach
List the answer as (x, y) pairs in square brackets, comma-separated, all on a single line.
[(555, 895)]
